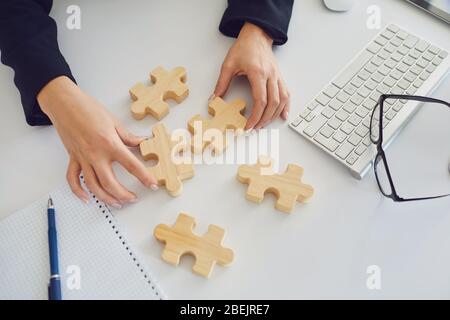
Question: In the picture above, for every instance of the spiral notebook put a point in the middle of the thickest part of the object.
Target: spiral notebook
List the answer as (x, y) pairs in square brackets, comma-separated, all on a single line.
[(95, 260)]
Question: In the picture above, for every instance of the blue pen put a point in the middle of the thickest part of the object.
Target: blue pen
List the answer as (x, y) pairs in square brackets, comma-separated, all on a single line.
[(54, 285)]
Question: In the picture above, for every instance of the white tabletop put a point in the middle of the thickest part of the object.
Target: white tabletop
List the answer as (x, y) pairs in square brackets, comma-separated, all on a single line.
[(323, 248)]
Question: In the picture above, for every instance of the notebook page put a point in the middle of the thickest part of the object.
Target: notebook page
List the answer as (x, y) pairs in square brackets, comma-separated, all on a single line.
[(90, 244)]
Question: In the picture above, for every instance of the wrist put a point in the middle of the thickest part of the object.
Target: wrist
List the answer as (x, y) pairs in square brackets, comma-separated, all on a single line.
[(55, 94), (253, 31)]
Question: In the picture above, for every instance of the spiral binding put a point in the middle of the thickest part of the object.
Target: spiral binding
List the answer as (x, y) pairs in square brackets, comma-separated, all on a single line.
[(108, 215)]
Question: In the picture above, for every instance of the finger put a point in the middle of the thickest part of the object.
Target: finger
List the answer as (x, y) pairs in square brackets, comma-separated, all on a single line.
[(284, 99), (285, 112), (109, 182), (223, 83), (273, 101), (128, 138), (94, 186), (136, 168), (73, 178), (259, 94)]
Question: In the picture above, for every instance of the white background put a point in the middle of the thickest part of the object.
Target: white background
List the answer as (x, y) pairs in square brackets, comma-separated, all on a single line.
[(323, 248)]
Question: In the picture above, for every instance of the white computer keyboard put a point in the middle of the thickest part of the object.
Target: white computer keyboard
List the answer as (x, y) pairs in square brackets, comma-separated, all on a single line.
[(396, 62)]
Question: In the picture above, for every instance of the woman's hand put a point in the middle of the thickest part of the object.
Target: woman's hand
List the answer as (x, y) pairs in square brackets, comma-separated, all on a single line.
[(252, 55), (94, 139)]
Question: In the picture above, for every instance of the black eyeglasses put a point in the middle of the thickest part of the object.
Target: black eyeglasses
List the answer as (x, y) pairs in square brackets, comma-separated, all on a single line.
[(381, 167)]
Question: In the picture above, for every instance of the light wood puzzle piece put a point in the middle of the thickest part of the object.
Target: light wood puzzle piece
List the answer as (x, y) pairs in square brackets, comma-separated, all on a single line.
[(225, 116), (180, 240), (287, 187), (151, 99), (169, 171)]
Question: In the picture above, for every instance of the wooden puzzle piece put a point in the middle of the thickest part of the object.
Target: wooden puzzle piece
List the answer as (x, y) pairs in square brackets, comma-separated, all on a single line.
[(225, 116), (169, 170), (180, 240), (287, 187), (151, 99)]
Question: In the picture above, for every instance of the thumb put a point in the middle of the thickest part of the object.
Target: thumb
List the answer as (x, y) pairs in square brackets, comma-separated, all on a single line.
[(225, 77), (128, 138)]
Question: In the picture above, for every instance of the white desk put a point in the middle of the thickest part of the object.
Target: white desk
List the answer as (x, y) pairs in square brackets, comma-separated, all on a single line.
[(321, 250)]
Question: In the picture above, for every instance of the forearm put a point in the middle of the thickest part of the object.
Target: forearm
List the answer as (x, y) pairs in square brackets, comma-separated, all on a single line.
[(272, 16), (28, 44)]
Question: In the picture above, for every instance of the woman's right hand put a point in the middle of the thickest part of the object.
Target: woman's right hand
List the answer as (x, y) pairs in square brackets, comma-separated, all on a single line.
[(94, 139)]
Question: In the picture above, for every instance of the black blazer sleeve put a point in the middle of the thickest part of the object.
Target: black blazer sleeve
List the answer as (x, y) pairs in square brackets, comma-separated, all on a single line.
[(28, 44), (270, 15)]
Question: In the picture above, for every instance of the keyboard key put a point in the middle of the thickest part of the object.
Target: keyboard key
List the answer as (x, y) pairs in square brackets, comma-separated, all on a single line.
[(383, 54), (383, 89), (390, 48), (349, 107), (434, 50), (335, 104), (396, 56), (334, 123), (360, 149), (428, 56), (313, 105), (362, 112), (396, 41), (422, 45), (402, 34), (443, 54), (350, 89), (363, 74), (323, 99), (389, 81), (315, 125), (357, 82), (390, 115), (377, 61), (342, 115), (387, 34), (397, 90), (377, 77), (326, 131), (357, 99), (342, 96), (328, 112), (410, 41), (402, 67), (354, 120), (370, 84), (352, 69), (344, 150), (418, 83), (370, 67), (416, 69), (424, 75), (330, 144), (384, 70), (437, 61), (408, 61), (403, 50), (304, 113), (362, 131), (409, 76), (331, 91), (393, 28), (351, 159), (310, 117), (347, 128), (431, 68), (397, 107), (296, 122), (411, 90), (422, 63), (396, 74), (415, 54), (374, 47), (390, 63), (369, 104), (339, 136), (381, 40), (403, 84), (366, 141)]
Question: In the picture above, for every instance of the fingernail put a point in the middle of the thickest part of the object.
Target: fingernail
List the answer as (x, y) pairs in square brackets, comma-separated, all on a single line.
[(116, 205), (84, 199), (135, 199), (211, 97), (154, 187), (249, 131)]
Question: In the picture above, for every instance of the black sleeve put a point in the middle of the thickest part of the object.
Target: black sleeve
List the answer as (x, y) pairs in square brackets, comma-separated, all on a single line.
[(28, 44), (270, 15)]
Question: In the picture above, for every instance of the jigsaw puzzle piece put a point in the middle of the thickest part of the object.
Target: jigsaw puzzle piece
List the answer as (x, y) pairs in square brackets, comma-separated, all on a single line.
[(211, 132), (180, 240), (167, 171), (151, 99)]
